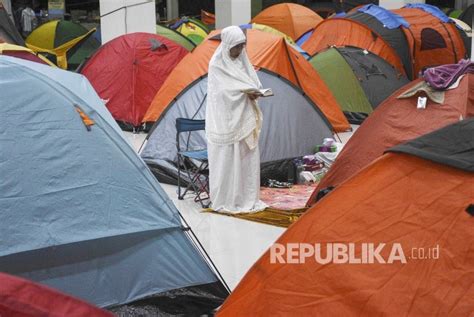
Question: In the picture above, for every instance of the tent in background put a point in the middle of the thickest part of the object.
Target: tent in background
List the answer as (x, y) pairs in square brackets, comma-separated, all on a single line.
[(387, 25), (432, 37), (394, 122), (419, 197), (8, 31), (346, 32), (129, 70), (294, 119), (24, 53), (20, 297), (359, 80), (175, 36), (348, 5), (466, 15), (68, 44), (193, 29), (85, 215), (292, 19)]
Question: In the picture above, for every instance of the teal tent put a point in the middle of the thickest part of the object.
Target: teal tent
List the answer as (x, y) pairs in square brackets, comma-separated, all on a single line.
[(81, 212)]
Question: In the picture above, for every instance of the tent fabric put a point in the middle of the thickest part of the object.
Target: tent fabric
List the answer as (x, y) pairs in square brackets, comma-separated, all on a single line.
[(289, 18), (395, 37), (69, 42), (425, 29), (466, 15), (377, 78), (345, 32), (23, 52), (265, 51), (452, 146), (389, 19), (20, 297), (292, 126), (192, 29), (8, 31), (398, 199), (176, 37), (339, 77), (85, 215), (129, 70), (433, 10), (396, 121), (359, 80)]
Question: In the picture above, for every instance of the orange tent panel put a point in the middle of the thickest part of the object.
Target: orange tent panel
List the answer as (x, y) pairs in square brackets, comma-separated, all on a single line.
[(396, 121), (344, 32), (431, 41), (400, 199), (265, 51), (289, 18)]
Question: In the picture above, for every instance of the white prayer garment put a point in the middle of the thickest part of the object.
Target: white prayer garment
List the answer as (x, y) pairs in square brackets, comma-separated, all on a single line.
[(233, 124)]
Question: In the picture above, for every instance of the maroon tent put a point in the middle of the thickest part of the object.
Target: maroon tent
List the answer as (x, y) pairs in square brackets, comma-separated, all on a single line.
[(22, 298), (128, 71)]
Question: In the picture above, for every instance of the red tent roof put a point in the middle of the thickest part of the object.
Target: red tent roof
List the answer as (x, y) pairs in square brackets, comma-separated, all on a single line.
[(129, 70)]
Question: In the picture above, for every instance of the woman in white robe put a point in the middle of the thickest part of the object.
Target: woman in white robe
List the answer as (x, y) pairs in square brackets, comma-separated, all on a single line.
[(233, 123)]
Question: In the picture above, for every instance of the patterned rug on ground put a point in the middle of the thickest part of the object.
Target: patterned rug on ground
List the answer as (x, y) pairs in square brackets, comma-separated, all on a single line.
[(286, 205)]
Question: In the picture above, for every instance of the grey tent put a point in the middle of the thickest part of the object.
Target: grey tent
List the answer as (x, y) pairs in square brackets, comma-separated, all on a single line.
[(81, 212), (8, 31), (292, 126)]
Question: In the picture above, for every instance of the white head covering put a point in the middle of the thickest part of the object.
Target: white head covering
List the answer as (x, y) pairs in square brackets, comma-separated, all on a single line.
[(230, 115)]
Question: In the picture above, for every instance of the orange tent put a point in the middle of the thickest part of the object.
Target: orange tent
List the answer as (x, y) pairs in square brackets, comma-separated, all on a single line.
[(266, 51), (345, 32), (289, 18), (431, 41), (396, 121), (418, 201)]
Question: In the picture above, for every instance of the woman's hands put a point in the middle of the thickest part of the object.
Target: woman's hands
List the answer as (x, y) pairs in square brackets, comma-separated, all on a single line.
[(254, 95)]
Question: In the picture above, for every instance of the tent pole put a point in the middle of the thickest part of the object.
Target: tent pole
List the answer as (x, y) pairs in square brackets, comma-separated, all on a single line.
[(187, 228)]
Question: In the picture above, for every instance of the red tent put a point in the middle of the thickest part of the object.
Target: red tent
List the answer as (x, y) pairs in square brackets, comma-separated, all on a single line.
[(22, 298), (128, 71)]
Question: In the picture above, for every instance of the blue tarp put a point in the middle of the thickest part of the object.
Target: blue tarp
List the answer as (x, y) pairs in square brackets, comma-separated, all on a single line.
[(434, 11), (81, 212), (389, 19)]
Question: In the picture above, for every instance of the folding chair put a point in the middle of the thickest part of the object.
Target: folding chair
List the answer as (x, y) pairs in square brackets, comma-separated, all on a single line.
[(193, 161)]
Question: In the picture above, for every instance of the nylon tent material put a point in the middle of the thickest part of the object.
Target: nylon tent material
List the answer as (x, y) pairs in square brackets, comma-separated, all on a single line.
[(402, 200), (271, 30), (289, 18), (345, 32), (265, 51), (176, 37), (68, 43), (23, 52), (338, 75), (359, 80), (396, 121), (431, 41), (85, 215), (292, 127), (128, 71), (192, 29), (20, 297), (466, 15), (8, 31), (389, 26)]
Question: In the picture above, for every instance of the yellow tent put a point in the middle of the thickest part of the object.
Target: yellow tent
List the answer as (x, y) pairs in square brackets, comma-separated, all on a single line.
[(24, 53), (63, 39)]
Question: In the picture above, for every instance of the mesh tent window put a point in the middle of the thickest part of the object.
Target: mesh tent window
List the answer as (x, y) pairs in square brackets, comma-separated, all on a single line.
[(431, 39)]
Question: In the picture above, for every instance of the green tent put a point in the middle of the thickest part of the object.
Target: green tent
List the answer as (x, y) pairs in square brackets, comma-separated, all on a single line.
[(176, 37), (359, 80)]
